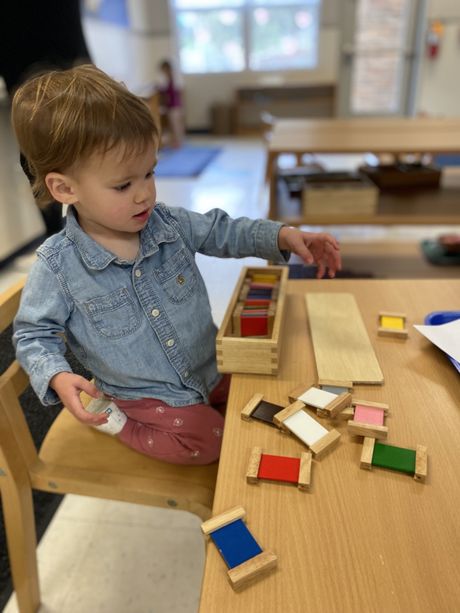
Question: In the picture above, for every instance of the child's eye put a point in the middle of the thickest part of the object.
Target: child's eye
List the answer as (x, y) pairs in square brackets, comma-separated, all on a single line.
[(121, 188), (150, 173)]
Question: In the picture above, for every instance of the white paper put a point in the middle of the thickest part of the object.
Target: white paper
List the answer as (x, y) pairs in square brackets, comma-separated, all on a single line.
[(445, 336)]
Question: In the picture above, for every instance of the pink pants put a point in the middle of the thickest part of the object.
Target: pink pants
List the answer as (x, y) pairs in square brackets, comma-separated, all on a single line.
[(179, 435)]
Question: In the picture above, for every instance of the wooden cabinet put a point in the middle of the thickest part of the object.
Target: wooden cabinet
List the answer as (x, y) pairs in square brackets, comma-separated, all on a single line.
[(281, 101)]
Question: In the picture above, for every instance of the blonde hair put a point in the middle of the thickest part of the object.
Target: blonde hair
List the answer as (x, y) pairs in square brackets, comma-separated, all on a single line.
[(61, 118)]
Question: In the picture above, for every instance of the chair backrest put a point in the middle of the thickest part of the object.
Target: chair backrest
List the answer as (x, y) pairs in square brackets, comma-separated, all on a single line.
[(9, 304), (15, 439)]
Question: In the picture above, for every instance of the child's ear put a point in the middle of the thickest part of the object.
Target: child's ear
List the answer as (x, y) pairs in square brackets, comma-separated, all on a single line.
[(61, 187)]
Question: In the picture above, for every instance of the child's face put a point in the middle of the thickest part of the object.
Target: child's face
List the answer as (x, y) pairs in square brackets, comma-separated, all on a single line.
[(115, 195)]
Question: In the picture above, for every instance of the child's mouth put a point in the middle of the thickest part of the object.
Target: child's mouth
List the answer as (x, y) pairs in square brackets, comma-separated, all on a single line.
[(142, 216)]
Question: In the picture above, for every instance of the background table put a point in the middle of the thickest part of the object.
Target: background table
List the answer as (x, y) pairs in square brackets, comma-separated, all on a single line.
[(377, 135), (359, 541)]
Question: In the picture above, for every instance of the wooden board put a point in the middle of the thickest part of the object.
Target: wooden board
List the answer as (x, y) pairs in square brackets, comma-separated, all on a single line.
[(343, 351)]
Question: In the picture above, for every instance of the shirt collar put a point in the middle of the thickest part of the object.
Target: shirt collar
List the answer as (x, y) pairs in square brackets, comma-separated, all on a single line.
[(97, 257)]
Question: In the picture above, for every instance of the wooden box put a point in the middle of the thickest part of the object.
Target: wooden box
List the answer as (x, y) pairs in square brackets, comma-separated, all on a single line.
[(339, 193), (256, 355)]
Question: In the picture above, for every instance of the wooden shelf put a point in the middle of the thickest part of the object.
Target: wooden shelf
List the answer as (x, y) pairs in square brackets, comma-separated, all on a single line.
[(428, 206), (397, 136), (287, 100)]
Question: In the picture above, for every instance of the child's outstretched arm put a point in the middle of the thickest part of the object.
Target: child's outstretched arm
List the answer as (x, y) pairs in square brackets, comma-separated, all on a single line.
[(320, 248)]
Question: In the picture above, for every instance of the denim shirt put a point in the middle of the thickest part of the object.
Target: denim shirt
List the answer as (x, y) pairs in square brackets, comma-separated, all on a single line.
[(142, 328)]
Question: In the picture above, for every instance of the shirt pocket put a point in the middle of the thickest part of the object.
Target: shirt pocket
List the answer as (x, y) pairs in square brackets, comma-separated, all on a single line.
[(113, 315), (177, 277)]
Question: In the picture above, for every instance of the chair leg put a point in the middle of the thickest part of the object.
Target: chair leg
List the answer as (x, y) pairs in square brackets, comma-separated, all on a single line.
[(21, 537)]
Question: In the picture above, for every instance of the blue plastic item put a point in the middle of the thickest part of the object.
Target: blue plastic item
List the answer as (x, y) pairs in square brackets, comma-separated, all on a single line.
[(437, 318)]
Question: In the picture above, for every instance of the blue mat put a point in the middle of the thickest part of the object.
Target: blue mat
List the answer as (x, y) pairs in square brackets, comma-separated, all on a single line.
[(188, 161), (447, 159)]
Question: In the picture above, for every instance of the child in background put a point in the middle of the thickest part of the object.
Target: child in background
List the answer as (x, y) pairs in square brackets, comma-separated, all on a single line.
[(171, 105), (120, 281)]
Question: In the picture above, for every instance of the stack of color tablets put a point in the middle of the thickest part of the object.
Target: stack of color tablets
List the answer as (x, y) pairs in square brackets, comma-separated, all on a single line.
[(255, 310)]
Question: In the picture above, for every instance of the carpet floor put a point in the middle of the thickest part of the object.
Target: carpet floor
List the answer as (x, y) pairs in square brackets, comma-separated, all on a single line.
[(188, 161)]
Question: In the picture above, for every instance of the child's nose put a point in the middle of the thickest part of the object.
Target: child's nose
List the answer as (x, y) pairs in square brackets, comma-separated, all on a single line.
[(143, 194)]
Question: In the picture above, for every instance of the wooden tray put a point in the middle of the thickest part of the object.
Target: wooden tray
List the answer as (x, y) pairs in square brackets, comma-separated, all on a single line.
[(339, 193), (400, 176), (255, 355)]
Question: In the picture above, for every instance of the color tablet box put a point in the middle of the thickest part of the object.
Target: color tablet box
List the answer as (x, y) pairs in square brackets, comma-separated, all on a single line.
[(242, 554), (409, 461), (236, 354), (316, 437), (368, 419), (261, 410), (392, 324), (326, 403), (254, 320), (279, 469)]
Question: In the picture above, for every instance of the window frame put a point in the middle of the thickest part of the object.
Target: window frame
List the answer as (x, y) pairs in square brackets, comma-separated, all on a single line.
[(245, 10)]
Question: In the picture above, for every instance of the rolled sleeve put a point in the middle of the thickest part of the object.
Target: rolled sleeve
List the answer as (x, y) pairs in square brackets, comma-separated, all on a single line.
[(43, 372), (267, 242)]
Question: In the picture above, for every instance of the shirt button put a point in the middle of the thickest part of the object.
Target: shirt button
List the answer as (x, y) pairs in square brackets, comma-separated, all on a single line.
[(170, 343), (186, 373), (180, 279), (138, 273), (155, 312)]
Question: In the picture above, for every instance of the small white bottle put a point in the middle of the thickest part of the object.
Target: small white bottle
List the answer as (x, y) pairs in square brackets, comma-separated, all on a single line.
[(116, 417)]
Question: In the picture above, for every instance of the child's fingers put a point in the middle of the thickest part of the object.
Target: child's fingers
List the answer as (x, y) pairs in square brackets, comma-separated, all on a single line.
[(78, 411), (303, 252), (75, 406), (321, 270), (88, 387), (334, 259)]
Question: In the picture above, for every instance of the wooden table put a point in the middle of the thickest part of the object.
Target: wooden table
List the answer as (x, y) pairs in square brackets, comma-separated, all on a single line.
[(377, 135), (359, 541)]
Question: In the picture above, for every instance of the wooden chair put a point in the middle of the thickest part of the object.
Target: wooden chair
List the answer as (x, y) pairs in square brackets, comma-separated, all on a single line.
[(75, 459)]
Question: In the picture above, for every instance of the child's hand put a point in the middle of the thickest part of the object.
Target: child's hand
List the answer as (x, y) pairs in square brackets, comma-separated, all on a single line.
[(320, 248), (68, 387)]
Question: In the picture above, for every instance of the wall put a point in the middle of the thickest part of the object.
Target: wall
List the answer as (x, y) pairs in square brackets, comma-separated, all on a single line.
[(149, 17), (439, 90), (201, 91)]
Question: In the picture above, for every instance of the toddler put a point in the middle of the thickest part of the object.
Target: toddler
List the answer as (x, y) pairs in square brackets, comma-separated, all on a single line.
[(120, 283), (171, 104)]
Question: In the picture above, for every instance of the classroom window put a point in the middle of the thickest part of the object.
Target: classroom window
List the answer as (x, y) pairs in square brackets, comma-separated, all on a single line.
[(236, 35)]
